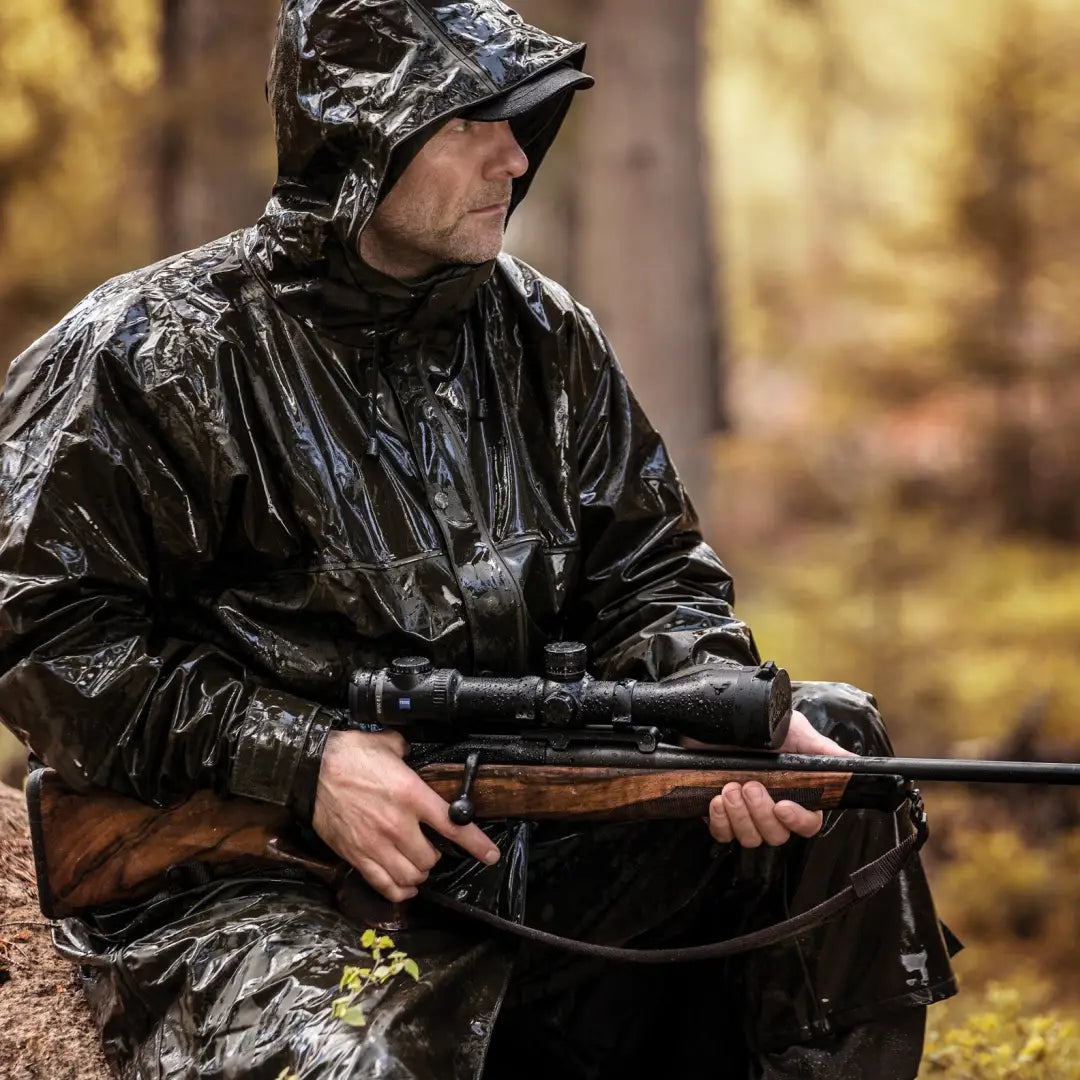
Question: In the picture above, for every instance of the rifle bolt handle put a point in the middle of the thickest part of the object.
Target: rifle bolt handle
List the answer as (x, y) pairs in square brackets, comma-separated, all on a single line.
[(462, 810)]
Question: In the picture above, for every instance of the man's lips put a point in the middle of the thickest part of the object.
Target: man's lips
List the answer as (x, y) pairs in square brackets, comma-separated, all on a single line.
[(493, 208)]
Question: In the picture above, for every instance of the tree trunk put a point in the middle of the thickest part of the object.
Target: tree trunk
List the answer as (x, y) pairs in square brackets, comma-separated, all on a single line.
[(544, 230), (216, 162), (623, 219)]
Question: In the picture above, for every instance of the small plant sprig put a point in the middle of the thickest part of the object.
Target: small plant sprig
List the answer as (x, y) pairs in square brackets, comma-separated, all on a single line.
[(287, 1074), (355, 980)]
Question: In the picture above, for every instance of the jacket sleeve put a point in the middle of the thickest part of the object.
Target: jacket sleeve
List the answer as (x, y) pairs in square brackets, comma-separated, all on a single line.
[(97, 510), (655, 601)]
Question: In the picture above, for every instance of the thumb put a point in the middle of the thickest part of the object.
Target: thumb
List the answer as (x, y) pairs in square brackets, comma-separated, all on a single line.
[(813, 742), (394, 741), (804, 738)]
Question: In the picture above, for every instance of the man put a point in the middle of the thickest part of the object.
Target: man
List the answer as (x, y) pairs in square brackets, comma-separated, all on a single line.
[(354, 431)]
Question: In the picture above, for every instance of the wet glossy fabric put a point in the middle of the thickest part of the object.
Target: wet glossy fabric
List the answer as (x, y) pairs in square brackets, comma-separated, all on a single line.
[(239, 981), (229, 479)]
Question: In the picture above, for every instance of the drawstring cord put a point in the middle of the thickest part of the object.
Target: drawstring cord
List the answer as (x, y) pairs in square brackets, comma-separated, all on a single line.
[(483, 363), (371, 446), (481, 401), (484, 388)]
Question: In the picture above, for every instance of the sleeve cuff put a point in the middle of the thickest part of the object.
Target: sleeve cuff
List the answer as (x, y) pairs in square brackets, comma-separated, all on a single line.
[(279, 750), (306, 779)]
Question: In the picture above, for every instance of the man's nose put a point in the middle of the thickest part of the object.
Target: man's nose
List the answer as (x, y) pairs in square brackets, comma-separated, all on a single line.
[(507, 159)]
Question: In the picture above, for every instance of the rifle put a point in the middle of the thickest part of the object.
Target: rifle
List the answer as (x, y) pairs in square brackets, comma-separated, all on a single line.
[(564, 746)]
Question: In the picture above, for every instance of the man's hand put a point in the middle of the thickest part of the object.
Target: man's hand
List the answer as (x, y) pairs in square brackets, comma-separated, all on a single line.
[(746, 812), (369, 805)]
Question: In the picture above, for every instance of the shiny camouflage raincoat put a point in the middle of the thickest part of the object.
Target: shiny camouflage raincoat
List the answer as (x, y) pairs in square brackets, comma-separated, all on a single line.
[(232, 478)]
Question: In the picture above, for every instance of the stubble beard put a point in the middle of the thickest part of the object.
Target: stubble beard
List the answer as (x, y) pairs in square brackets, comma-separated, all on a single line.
[(469, 240), (412, 236)]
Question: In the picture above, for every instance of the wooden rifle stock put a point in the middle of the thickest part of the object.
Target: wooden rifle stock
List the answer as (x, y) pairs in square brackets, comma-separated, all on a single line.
[(101, 848)]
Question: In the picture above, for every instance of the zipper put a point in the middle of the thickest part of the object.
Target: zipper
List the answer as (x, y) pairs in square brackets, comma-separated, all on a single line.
[(461, 456), (436, 28)]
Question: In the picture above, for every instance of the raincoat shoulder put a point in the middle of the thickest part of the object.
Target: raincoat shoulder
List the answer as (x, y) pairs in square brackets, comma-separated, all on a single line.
[(565, 332), (654, 600), (119, 470)]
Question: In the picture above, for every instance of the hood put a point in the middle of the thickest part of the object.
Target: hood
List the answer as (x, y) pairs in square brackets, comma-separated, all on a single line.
[(356, 84)]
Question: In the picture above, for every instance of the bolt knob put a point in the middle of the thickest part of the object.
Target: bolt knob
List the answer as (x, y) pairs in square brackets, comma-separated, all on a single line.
[(462, 811)]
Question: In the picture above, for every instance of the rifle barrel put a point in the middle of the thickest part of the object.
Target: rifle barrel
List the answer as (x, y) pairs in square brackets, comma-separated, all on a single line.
[(964, 770), (956, 769), (516, 751)]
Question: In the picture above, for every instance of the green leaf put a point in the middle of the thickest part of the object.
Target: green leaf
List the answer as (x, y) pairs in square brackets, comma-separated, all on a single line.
[(350, 978), (397, 954), (385, 943), (381, 973), (354, 1017), (410, 966), (368, 938), (395, 967)]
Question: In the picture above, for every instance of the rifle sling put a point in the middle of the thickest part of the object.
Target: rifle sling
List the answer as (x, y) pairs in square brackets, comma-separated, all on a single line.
[(862, 883)]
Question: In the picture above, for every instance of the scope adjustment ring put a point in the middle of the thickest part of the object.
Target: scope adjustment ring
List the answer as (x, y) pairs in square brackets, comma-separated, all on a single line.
[(558, 709), (411, 665), (564, 661), (440, 689)]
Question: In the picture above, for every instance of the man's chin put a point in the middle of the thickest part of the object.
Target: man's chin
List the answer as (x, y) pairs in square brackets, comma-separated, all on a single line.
[(477, 256), (473, 250)]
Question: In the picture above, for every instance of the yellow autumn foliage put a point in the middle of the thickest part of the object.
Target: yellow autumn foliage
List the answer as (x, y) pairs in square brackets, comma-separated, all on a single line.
[(1001, 1039), (956, 633), (74, 81)]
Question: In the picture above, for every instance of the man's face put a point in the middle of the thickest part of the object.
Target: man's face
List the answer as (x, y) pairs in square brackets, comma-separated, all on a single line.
[(450, 204)]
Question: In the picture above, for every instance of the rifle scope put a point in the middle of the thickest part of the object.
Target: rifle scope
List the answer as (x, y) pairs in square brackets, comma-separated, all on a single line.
[(747, 707)]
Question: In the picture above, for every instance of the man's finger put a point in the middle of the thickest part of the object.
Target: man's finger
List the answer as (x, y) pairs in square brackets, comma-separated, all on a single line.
[(822, 744), (742, 825), (382, 882), (718, 822), (470, 838), (798, 819), (402, 870), (419, 850), (804, 738), (763, 814)]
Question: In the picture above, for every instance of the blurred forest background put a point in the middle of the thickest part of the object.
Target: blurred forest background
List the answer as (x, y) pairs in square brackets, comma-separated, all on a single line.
[(834, 245)]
